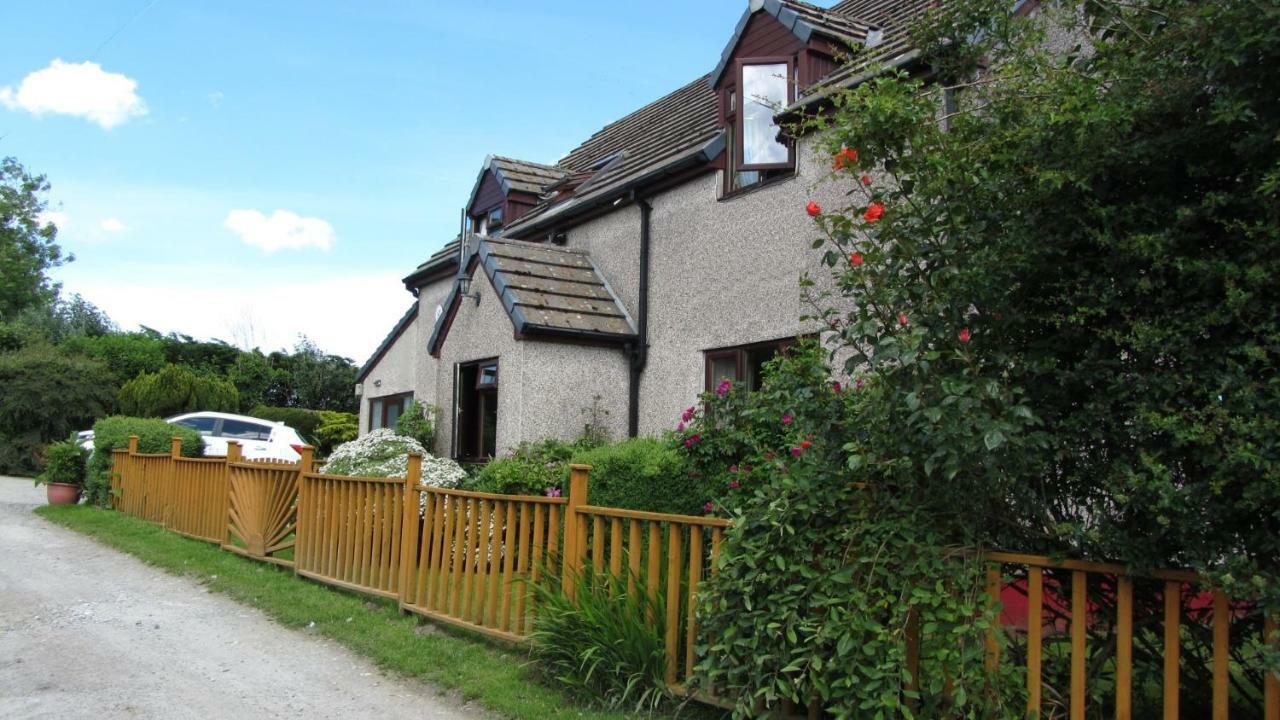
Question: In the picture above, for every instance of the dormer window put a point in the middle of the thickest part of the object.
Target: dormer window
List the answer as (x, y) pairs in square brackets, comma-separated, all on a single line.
[(762, 90), (488, 223)]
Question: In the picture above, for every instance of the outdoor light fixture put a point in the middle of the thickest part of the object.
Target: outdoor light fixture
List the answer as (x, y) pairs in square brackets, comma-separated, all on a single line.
[(464, 288)]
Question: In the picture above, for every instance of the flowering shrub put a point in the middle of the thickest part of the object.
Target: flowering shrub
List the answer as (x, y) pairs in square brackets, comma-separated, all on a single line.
[(383, 453)]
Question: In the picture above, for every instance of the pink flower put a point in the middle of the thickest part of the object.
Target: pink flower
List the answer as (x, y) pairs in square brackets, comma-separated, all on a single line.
[(723, 388), (733, 468), (553, 492), (902, 318), (708, 507), (857, 384), (835, 386), (787, 418), (734, 485), (692, 440), (680, 426), (687, 415), (964, 335), (746, 468), (797, 452)]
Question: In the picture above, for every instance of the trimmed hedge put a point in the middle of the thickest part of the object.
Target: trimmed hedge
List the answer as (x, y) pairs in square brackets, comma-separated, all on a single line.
[(301, 419), (643, 474), (112, 433)]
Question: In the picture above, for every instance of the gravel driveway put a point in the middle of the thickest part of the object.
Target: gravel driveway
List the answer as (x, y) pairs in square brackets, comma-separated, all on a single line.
[(88, 632)]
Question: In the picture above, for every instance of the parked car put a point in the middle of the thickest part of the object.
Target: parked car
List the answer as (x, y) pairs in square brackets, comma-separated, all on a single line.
[(258, 438)]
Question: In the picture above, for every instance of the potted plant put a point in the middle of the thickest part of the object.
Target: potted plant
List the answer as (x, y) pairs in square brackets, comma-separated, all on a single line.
[(63, 472)]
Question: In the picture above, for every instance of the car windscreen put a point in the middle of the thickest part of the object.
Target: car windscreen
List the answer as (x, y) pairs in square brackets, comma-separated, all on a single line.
[(241, 430), (202, 425)]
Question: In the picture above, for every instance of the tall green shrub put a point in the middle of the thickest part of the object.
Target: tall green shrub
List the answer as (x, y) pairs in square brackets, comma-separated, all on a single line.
[(112, 433), (176, 389), (301, 419), (644, 474), (46, 395), (337, 428), (418, 422)]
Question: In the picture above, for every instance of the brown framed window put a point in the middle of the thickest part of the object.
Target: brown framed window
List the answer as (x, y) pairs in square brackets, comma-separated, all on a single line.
[(763, 86), (476, 410), (742, 364), (385, 410)]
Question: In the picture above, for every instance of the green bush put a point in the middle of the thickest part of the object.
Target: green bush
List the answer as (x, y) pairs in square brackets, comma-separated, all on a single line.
[(643, 474), (518, 475), (600, 643), (336, 428), (45, 395), (418, 422), (305, 421), (64, 463), (176, 389), (112, 433)]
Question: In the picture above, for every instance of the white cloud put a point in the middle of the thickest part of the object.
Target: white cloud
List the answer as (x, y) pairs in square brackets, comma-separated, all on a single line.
[(78, 89), (284, 230), (59, 219), (112, 225)]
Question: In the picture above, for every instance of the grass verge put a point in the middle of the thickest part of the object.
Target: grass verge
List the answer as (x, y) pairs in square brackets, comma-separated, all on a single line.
[(495, 677)]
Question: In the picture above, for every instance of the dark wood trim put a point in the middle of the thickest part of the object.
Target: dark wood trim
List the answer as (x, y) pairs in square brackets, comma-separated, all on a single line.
[(739, 354), (739, 116), (729, 194), (384, 399)]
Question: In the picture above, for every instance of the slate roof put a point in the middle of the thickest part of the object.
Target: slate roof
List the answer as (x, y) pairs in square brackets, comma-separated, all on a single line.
[(525, 176), (545, 290), (892, 19), (681, 125)]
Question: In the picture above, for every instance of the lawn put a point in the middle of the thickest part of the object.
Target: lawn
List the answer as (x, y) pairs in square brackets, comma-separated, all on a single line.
[(496, 677)]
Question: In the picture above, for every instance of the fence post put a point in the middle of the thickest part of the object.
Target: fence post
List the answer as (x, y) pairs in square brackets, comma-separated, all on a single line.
[(409, 528), (233, 455), (133, 444), (306, 465), (170, 493), (579, 488)]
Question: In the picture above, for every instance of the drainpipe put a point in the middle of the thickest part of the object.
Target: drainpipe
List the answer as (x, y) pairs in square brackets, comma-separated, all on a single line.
[(639, 350)]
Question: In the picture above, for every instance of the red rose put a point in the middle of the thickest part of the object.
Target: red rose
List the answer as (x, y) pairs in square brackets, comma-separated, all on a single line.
[(844, 159), (964, 335), (902, 318), (874, 212), (866, 181), (806, 444), (813, 208), (855, 259)]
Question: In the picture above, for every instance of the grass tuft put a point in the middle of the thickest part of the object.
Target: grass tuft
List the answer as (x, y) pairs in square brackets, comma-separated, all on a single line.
[(498, 678)]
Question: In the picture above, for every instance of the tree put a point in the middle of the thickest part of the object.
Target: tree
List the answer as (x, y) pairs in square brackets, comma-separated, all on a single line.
[(252, 375), (1065, 298), (47, 395), (28, 247), (322, 381), (176, 389)]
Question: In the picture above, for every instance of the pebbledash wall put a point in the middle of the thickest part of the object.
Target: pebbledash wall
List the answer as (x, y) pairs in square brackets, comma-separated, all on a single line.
[(724, 271), (405, 366)]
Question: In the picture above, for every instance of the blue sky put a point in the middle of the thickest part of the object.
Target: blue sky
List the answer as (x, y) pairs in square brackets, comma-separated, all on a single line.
[(276, 167)]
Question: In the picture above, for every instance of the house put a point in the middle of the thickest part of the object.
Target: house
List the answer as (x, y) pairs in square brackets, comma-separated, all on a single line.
[(661, 255)]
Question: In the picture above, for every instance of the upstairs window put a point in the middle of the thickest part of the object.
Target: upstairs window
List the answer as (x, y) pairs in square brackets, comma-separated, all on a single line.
[(762, 90)]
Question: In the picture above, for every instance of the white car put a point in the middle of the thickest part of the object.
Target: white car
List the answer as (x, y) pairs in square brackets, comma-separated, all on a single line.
[(258, 438)]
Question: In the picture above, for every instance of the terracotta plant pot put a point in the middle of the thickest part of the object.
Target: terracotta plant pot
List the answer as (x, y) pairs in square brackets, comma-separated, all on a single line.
[(63, 494)]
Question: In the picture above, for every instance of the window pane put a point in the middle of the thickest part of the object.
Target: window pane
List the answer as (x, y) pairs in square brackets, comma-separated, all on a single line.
[(202, 425), (241, 430), (488, 376), (724, 367), (394, 408), (755, 365), (764, 93), (375, 415)]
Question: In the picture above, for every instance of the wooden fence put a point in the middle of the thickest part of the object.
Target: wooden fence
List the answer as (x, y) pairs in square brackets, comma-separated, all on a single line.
[(468, 558)]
